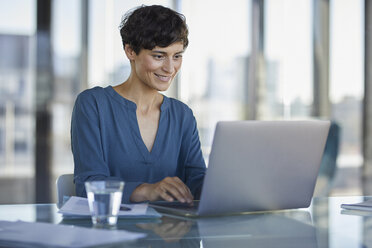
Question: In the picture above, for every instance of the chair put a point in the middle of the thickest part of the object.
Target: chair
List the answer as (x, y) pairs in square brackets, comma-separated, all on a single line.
[(328, 165), (65, 187)]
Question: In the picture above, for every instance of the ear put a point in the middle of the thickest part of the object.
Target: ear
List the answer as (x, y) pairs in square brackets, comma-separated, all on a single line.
[(129, 52)]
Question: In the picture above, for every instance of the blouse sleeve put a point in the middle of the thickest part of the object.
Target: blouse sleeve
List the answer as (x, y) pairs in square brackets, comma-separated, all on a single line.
[(87, 147), (195, 168)]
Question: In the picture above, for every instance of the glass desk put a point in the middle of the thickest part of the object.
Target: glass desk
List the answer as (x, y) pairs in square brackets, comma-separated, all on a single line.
[(323, 224)]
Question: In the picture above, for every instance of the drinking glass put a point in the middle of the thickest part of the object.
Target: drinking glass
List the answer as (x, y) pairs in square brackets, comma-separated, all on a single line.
[(104, 198)]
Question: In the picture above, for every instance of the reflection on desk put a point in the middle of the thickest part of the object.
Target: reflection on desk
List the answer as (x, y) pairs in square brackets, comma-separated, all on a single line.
[(283, 229), (321, 225), (169, 229)]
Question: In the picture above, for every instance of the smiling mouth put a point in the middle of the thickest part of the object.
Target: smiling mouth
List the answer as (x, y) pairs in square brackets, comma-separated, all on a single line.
[(163, 78)]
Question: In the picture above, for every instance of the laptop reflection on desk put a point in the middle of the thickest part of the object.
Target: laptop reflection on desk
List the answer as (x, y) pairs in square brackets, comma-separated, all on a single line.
[(293, 229), (258, 166)]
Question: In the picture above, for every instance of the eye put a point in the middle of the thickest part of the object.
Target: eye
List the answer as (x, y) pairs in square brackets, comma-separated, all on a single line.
[(178, 56), (158, 56)]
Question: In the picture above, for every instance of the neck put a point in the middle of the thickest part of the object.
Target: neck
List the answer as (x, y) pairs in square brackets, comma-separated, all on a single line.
[(145, 98)]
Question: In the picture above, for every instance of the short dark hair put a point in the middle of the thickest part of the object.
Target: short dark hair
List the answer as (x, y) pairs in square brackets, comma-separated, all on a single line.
[(150, 26)]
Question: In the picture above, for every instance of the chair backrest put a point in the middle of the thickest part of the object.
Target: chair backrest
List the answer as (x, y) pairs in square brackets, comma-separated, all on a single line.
[(65, 187)]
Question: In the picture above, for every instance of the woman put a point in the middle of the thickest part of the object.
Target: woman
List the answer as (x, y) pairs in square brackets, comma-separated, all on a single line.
[(133, 133)]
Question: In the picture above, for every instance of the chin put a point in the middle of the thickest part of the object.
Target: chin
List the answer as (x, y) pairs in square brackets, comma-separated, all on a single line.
[(162, 87)]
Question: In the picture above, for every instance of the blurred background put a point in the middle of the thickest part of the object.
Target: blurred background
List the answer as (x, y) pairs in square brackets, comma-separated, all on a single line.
[(247, 59)]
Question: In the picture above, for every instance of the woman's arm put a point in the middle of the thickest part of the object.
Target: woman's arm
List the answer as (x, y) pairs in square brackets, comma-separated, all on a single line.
[(86, 143), (194, 165)]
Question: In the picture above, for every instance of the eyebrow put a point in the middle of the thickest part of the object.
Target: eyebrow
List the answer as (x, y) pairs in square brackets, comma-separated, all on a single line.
[(164, 53)]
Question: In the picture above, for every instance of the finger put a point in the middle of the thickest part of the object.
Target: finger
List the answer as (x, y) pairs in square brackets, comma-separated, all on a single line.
[(184, 186), (181, 184), (181, 187), (178, 229), (175, 191), (178, 192), (165, 228), (176, 188), (165, 195), (172, 182)]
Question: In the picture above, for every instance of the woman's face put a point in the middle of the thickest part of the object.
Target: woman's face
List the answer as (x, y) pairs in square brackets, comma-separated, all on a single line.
[(157, 68)]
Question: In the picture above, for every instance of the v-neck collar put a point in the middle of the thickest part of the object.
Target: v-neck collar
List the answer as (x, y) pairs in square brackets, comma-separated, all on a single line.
[(149, 157), (112, 92)]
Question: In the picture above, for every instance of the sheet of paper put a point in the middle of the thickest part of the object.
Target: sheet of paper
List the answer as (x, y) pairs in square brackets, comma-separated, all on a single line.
[(79, 206), (363, 206), (21, 233)]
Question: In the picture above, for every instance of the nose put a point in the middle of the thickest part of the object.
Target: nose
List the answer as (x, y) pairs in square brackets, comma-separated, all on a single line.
[(168, 66)]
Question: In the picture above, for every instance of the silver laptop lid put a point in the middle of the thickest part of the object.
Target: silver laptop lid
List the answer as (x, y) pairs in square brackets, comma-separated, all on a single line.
[(262, 165)]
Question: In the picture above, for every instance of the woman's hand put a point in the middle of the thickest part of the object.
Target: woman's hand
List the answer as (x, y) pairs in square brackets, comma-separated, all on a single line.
[(168, 189)]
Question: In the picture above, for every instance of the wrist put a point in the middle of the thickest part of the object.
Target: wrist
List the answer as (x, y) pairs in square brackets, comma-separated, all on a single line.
[(140, 193)]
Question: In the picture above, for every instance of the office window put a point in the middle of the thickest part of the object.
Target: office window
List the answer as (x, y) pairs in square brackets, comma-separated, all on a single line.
[(213, 78), (66, 55), (17, 37), (288, 92), (347, 82), (288, 60)]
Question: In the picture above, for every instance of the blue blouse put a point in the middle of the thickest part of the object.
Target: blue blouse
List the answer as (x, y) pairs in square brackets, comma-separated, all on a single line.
[(107, 144)]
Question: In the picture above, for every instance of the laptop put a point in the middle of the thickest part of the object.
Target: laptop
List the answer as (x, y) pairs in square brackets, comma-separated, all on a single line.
[(258, 166)]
